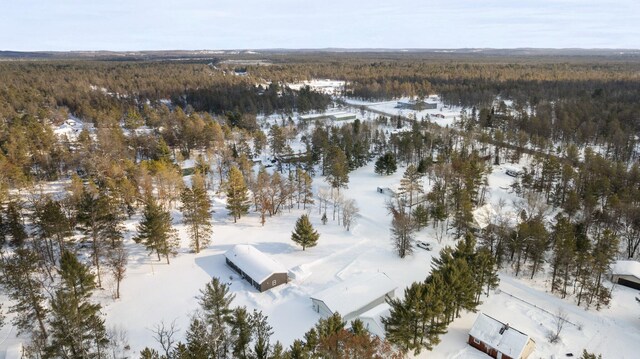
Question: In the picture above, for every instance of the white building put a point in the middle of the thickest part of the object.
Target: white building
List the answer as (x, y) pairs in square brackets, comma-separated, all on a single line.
[(626, 273), (342, 116), (354, 296), (372, 319)]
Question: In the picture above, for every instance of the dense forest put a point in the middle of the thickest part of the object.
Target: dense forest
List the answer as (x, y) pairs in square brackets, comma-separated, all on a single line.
[(576, 119)]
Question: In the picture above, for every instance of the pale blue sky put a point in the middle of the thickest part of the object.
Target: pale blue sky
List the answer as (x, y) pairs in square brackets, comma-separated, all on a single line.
[(29, 25)]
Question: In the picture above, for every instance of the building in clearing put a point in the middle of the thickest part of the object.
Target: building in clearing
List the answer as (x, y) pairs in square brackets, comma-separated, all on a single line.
[(354, 296), (342, 116), (626, 273), (257, 268), (499, 340), (372, 319), (416, 105)]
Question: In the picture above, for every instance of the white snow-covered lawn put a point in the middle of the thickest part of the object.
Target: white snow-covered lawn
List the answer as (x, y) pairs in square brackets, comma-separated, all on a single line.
[(155, 291)]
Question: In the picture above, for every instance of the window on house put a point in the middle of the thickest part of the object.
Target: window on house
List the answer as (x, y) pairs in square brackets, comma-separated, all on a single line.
[(476, 341), (273, 283)]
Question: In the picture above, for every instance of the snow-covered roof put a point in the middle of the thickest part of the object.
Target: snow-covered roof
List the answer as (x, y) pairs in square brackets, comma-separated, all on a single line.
[(375, 315), (483, 215), (626, 268), (254, 263), (340, 115), (356, 292), (511, 342)]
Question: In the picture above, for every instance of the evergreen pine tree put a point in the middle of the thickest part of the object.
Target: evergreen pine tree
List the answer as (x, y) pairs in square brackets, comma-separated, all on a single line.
[(304, 234), (411, 183), (14, 226), (196, 211), (261, 332), (237, 194), (155, 230), (241, 331), (398, 325), (20, 281), (337, 169), (99, 222), (197, 337), (77, 331), (386, 164), (215, 304), (51, 225)]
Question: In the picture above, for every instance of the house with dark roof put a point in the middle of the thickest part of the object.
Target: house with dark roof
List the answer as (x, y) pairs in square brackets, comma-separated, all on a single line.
[(257, 268), (626, 273)]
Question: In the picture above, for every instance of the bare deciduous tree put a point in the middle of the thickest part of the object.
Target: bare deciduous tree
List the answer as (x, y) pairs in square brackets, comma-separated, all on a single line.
[(165, 335), (118, 266), (560, 319), (402, 229), (350, 211)]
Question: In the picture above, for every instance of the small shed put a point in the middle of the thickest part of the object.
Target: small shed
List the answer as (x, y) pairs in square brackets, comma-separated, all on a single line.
[(626, 273), (499, 340), (257, 268), (372, 319), (354, 296)]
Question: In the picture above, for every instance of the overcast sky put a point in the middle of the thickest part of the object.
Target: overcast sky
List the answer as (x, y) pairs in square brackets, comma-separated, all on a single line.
[(29, 25)]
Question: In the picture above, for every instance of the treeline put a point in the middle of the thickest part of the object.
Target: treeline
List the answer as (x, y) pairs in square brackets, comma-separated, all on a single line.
[(246, 98), (459, 277), (218, 330), (597, 119)]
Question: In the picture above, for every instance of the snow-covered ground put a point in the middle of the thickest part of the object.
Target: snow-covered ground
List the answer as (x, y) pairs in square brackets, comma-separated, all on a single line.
[(443, 115), (325, 86), (155, 291)]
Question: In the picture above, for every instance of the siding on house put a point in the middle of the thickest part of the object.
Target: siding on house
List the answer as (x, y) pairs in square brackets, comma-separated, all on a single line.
[(260, 270), (354, 296)]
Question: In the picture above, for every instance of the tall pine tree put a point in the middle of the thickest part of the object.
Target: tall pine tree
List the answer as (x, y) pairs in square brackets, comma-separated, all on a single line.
[(237, 194), (304, 234), (77, 330), (155, 230), (196, 211)]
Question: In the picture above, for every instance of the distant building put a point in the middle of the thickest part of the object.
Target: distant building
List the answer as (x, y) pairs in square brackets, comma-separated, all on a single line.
[(626, 273), (372, 319), (499, 340), (342, 116), (416, 105), (257, 268), (354, 296)]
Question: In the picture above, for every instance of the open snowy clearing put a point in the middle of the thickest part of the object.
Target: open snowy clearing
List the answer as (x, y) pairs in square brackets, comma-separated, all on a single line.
[(443, 115)]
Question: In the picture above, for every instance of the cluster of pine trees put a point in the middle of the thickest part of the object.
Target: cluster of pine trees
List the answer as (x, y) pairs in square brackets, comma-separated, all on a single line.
[(459, 277)]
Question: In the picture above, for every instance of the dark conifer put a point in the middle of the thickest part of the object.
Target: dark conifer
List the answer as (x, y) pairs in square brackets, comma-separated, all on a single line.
[(304, 234)]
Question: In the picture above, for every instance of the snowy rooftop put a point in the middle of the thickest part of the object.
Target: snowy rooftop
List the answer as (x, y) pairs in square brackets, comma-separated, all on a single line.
[(377, 313), (340, 115), (254, 263), (356, 292), (511, 342), (627, 268), (483, 215)]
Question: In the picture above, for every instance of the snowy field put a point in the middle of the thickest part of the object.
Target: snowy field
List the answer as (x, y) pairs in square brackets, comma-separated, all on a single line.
[(325, 86), (443, 115)]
